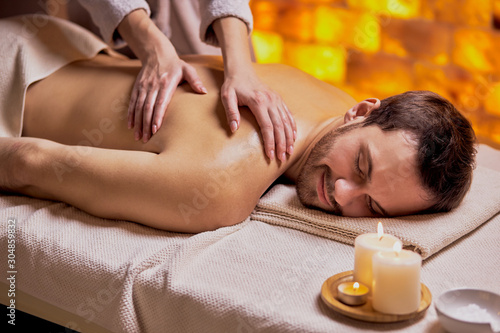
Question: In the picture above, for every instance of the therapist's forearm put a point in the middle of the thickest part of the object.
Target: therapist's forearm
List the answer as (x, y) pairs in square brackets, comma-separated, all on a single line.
[(143, 36), (233, 40)]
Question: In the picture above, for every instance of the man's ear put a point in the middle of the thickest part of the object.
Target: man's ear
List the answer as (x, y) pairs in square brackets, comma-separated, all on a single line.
[(361, 110)]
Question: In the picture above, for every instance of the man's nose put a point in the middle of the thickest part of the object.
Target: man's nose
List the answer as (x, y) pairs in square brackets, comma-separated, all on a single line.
[(346, 191)]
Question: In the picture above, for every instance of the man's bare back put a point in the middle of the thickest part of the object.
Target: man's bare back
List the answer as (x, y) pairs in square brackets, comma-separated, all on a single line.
[(193, 171)]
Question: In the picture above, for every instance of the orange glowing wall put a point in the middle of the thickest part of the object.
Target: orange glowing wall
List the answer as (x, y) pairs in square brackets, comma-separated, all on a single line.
[(378, 48)]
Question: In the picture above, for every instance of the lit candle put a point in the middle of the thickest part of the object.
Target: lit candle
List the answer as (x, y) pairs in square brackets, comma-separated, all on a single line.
[(365, 246), (396, 281), (352, 293)]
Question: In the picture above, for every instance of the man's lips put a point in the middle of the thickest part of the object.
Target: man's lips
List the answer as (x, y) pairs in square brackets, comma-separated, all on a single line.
[(321, 189)]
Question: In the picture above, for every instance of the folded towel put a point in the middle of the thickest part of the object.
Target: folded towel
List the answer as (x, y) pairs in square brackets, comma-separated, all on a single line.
[(425, 234)]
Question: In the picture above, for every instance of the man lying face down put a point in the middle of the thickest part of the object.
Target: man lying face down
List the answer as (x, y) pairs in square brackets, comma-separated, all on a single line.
[(406, 154), (411, 153)]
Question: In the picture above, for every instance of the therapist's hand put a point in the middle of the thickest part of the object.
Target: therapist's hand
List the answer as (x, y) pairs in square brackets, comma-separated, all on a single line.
[(162, 71), (276, 123), (154, 87), (242, 87)]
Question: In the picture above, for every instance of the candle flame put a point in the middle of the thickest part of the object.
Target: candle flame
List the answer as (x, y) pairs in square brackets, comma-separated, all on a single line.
[(397, 247), (380, 231), (355, 286)]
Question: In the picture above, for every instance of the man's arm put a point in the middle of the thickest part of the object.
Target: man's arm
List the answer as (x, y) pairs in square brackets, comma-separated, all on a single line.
[(137, 186)]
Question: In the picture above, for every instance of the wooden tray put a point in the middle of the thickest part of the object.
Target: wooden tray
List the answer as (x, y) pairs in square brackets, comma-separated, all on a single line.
[(365, 312)]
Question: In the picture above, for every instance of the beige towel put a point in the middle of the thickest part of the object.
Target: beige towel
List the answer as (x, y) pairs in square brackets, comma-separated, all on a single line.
[(425, 234), (31, 48)]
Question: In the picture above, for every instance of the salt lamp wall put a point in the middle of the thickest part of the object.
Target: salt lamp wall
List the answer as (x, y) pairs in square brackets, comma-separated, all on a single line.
[(380, 48)]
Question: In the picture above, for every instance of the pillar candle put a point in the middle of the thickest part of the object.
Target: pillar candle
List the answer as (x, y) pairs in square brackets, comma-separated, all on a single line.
[(396, 281), (365, 246)]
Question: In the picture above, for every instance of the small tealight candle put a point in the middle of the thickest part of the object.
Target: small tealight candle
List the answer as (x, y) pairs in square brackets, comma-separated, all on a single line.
[(352, 293), (365, 246), (396, 281)]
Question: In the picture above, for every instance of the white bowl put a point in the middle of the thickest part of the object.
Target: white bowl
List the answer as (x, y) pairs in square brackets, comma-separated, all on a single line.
[(469, 310)]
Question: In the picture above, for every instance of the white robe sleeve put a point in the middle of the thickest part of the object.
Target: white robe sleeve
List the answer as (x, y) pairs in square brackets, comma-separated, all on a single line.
[(212, 10), (107, 15)]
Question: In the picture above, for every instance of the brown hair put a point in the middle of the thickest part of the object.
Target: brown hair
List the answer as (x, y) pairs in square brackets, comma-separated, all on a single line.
[(445, 142)]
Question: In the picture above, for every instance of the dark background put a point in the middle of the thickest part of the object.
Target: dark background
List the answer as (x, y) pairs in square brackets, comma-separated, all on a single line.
[(28, 323)]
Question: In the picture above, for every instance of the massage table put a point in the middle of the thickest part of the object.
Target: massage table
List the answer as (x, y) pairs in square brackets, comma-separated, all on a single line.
[(97, 275)]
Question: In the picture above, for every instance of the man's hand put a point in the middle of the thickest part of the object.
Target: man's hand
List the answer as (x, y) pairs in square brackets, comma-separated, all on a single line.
[(276, 123), (153, 89)]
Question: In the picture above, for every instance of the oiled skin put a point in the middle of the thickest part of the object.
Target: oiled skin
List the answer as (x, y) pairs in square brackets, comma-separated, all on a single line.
[(193, 175)]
